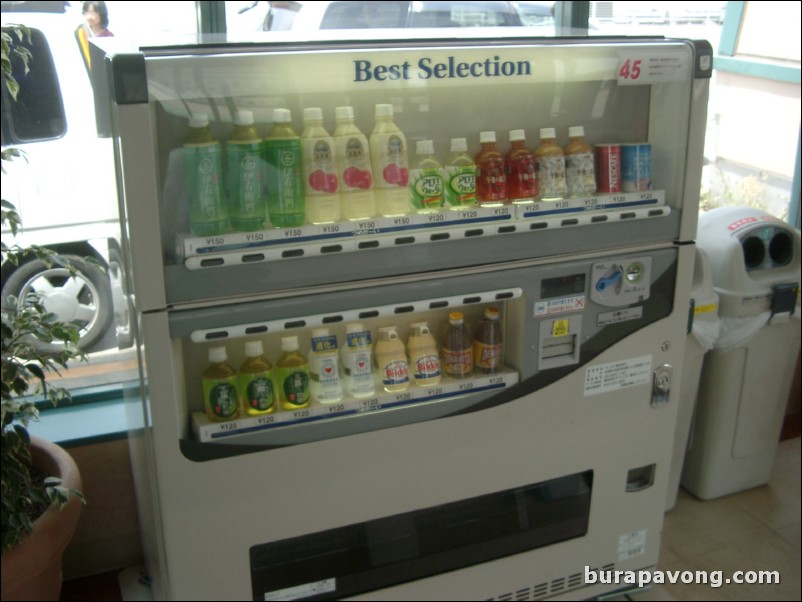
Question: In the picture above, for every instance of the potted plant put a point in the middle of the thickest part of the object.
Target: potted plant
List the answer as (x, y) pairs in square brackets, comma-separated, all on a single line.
[(40, 482)]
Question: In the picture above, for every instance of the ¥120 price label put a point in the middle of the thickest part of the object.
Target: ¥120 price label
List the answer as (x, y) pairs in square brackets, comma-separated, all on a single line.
[(635, 69)]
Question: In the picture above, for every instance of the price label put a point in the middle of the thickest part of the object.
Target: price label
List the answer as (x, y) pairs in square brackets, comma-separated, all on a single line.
[(635, 69)]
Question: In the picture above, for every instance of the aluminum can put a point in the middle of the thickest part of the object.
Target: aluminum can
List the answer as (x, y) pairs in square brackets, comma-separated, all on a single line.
[(636, 167), (608, 167)]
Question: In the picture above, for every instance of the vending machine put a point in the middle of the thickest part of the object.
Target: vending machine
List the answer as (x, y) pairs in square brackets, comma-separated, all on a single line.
[(530, 462)]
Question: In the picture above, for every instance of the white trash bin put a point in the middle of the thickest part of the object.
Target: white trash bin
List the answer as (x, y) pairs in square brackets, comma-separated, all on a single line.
[(746, 378), (704, 330)]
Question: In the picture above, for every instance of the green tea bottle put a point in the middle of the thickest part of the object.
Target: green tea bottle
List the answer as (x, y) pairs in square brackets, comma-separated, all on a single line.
[(245, 175), (203, 170), (256, 381), (292, 376), (220, 400), (285, 186)]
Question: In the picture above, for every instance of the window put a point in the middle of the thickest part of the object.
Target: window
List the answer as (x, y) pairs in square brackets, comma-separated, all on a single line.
[(38, 113)]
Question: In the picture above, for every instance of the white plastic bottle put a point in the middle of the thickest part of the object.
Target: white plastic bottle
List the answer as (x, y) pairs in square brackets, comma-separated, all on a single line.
[(320, 170), (391, 359), (357, 362), (388, 154), (324, 365), (353, 161)]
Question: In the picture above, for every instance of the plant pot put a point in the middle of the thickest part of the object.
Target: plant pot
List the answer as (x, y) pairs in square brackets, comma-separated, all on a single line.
[(32, 568)]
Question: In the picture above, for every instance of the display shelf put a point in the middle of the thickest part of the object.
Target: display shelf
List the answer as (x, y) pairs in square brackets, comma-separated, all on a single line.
[(208, 431), (382, 232)]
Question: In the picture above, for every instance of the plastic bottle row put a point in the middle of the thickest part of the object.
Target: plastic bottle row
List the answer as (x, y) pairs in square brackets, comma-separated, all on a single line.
[(318, 178), (328, 373)]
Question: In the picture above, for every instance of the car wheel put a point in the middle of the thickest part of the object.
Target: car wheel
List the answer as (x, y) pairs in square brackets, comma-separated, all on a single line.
[(84, 300)]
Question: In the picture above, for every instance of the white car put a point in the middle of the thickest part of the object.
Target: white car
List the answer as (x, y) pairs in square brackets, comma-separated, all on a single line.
[(65, 187)]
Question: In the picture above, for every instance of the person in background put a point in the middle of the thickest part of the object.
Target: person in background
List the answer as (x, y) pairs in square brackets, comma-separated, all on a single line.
[(96, 25)]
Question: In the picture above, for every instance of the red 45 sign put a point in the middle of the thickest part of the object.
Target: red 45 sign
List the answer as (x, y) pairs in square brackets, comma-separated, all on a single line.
[(630, 70)]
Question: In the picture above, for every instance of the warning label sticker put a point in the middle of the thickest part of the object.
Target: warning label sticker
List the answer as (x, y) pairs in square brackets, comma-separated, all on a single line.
[(618, 375), (559, 306)]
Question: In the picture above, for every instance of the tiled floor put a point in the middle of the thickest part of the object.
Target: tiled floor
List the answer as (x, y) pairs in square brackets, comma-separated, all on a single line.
[(756, 530)]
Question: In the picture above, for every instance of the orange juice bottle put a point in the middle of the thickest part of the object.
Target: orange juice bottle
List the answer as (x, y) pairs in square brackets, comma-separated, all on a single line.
[(521, 169), (491, 181)]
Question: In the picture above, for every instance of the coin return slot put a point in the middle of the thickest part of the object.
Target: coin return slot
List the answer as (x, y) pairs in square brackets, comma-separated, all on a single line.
[(253, 257), (558, 346), (256, 330), (640, 478), (477, 232), (369, 244), (212, 263), (296, 324), (293, 253)]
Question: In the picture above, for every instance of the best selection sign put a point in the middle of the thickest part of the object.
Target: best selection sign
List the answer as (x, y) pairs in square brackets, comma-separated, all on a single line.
[(452, 68)]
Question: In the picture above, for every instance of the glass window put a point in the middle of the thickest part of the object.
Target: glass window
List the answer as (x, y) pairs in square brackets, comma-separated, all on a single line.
[(38, 112), (752, 134)]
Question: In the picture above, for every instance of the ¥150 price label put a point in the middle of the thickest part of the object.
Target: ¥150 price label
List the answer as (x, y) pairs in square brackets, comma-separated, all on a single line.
[(637, 69)]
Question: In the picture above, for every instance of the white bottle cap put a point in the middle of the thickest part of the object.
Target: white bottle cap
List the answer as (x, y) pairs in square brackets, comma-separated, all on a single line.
[(289, 344), (487, 137), (459, 145), (384, 110), (253, 348), (198, 120), (344, 113), (516, 135), (320, 333), (282, 116), (313, 114), (244, 118), (547, 133), (576, 131), (424, 147), (217, 354)]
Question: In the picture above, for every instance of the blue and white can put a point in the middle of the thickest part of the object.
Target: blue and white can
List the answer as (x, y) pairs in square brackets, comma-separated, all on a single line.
[(636, 167)]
